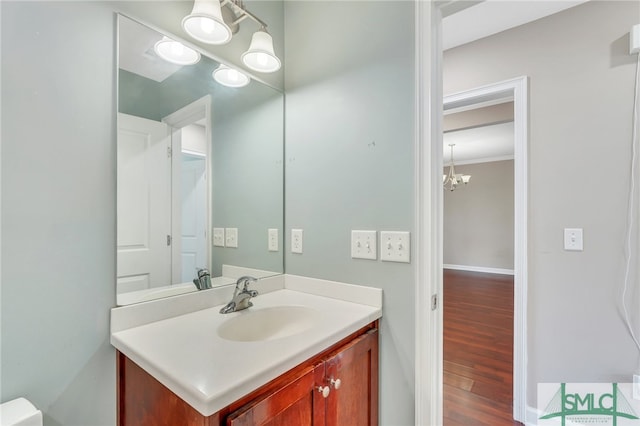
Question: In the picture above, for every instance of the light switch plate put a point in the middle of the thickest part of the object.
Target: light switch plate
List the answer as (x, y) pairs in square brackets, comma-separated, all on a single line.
[(296, 241), (395, 246), (272, 236), (573, 239), (364, 245), (218, 237), (231, 237)]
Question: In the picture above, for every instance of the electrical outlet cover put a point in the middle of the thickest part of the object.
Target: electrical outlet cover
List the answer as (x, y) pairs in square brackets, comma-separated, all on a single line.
[(364, 245), (272, 239), (296, 241)]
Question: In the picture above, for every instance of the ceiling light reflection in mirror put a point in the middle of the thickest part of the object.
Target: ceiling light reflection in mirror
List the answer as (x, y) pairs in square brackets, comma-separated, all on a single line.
[(176, 52)]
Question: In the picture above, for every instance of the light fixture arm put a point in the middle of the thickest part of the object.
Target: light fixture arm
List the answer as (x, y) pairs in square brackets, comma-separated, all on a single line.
[(244, 13)]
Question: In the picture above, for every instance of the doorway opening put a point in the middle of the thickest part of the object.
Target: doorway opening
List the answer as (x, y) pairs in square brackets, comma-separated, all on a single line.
[(515, 90), (190, 129), (478, 259)]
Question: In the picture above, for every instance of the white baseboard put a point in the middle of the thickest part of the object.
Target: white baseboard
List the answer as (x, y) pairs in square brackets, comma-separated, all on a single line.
[(532, 416), (479, 269)]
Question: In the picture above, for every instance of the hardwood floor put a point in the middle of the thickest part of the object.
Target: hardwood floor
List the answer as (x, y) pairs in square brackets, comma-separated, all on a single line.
[(478, 349)]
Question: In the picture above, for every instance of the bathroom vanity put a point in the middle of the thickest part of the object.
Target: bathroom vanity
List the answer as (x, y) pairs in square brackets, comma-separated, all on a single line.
[(295, 357)]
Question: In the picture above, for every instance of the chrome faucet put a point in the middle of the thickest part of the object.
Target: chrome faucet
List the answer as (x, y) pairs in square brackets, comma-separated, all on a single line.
[(241, 298), (203, 281)]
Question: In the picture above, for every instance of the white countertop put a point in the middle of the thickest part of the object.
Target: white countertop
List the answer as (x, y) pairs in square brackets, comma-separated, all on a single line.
[(186, 354)]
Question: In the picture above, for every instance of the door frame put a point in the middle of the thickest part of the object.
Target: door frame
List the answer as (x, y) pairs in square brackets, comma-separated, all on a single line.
[(517, 90), (429, 106), (185, 116)]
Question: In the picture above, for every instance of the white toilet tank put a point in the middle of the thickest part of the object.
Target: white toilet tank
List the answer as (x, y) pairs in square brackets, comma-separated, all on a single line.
[(19, 412)]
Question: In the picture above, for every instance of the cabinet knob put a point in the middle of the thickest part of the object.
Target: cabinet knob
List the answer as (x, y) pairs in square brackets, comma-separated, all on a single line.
[(324, 390), (336, 383)]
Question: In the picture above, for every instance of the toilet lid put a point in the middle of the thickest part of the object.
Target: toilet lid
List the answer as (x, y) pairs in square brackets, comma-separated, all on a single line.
[(19, 412)]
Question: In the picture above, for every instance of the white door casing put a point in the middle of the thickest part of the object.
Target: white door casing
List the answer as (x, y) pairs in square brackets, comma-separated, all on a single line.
[(429, 225), (517, 90), (143, 204)]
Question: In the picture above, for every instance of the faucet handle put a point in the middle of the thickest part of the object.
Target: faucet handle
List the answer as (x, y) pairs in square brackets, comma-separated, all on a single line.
[(245, 280)]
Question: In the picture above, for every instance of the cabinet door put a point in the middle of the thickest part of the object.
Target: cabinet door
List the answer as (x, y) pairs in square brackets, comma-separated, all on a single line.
[(355, 401), (297, 403)]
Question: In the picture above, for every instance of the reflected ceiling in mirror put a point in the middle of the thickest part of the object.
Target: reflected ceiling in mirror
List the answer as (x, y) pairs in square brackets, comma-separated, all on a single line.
[(200, 172)]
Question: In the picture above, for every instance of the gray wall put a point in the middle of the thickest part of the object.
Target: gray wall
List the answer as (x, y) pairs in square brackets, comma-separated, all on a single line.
[(58, 209), (58, 202), (478, 218), (581, 99), (349, 160)]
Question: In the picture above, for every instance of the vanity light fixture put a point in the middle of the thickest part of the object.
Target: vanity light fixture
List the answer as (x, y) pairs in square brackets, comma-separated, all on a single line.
[(451, 180), (260, 56), (230, 77), (176, 52), (205, 23)]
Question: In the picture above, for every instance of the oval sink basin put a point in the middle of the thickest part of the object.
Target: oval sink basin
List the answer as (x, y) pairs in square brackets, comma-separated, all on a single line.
[(268, 323)]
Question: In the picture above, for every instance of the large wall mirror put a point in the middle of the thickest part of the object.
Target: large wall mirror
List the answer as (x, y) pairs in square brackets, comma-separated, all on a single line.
[(200, 173)]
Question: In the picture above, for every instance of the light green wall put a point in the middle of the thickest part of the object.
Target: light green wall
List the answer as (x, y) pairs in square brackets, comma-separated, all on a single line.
[(349, 160), (58, 209), (59, 201), (248, 184), (581, 97)]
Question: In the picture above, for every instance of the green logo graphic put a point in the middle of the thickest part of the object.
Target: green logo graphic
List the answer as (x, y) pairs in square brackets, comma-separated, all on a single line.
[(588, 405)]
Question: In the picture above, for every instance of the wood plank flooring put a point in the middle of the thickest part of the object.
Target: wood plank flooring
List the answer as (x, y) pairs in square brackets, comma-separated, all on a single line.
[(478, 349)]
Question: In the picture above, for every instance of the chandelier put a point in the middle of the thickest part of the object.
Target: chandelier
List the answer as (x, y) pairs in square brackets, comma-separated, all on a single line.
[(451, 180)]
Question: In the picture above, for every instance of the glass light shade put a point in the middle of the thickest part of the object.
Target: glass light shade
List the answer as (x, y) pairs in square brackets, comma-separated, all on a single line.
[(260, 56), (176, 52), (230, 77), (205, 23), (466, 178)]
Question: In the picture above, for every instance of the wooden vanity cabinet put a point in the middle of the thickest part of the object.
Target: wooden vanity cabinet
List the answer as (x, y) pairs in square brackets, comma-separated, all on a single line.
[(295, 398)]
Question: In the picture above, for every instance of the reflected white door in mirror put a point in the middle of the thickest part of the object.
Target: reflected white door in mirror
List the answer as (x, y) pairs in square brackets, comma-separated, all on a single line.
[(163, 202), (144, 204)]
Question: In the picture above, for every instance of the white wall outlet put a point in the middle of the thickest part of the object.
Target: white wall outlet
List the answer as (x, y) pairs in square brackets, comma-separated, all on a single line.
[(573, 239), (636, 386), (231, 237), (364, 245), (395, 246), (218, 237), (272, 238), (296, 241)]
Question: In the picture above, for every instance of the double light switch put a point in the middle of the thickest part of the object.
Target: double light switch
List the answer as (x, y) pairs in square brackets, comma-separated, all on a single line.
[(394, 246), (364, 245)]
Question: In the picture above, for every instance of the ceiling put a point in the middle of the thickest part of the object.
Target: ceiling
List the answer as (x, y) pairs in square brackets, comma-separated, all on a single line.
[(480, 144), (480, 20), (136, 54), (490, 17)]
